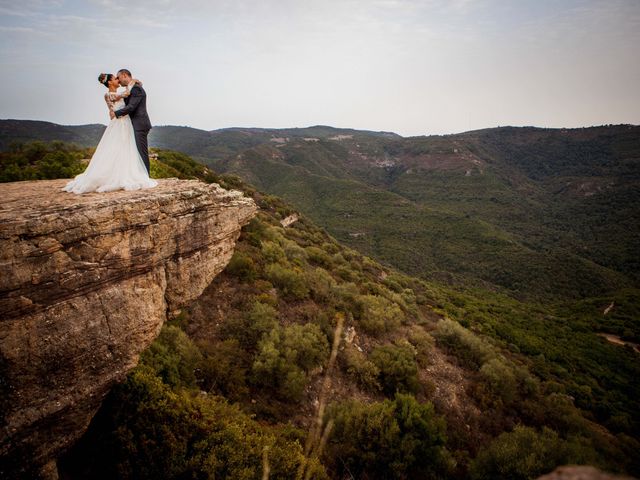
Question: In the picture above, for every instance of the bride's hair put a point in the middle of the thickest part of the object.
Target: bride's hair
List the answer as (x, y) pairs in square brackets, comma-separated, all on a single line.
[(104, 79)]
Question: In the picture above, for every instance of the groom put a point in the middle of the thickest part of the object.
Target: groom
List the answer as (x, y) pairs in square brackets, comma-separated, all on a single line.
[(136, 108)]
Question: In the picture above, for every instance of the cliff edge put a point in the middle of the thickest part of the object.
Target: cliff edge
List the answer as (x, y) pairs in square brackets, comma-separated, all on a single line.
[(86, 282)]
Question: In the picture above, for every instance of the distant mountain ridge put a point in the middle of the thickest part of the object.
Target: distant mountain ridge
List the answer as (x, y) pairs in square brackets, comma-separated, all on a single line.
[(88, 135), (31, 130)]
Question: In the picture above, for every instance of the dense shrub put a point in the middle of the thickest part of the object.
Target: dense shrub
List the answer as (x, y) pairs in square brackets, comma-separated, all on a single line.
[(290, 282), (241, 266), (304, 345), (379, 315), (173, 356), (338, 259), (398, 438), (422, 342), (331, 247), (38, 161), (184, 164), (249, 327), (502, 383), (392, 283), (362, 370), (294, 253), (272, 252), (345, 296), (256, 231), (321, 284), (525, 453), (398, 369), (500, 380), (285, 356), (468, 347), (223, 368), (346, 273), (319, 256)]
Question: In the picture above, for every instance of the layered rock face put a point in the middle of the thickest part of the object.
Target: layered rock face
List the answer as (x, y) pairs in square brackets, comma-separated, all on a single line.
[(86, 282)]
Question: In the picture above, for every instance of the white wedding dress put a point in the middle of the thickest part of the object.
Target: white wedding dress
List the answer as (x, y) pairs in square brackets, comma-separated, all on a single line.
[(116, 163)]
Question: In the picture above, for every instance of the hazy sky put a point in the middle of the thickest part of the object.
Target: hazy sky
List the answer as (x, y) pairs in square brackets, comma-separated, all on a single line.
[(409, 66)]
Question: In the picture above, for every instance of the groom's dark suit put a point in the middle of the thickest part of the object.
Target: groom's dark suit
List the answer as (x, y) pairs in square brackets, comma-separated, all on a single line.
[(136, 108)]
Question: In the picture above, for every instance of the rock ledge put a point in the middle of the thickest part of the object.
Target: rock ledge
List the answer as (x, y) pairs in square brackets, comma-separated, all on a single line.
[(86, 282)]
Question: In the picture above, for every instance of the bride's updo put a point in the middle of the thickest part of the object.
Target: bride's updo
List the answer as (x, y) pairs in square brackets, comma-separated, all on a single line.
[(105, 78)]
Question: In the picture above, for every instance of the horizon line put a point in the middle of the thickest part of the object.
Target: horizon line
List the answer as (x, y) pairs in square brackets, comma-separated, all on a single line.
[(342, 128)]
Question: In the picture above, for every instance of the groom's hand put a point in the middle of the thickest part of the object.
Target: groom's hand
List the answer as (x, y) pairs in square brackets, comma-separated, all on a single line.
[(112, 115)]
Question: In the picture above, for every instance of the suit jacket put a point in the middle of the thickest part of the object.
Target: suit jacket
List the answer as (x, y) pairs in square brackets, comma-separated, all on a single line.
[(136, 108)]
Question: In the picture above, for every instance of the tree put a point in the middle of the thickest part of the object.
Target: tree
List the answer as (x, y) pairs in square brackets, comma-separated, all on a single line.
[(399, 438)]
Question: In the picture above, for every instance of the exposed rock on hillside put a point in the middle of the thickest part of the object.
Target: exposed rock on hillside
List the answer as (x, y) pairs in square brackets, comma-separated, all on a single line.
[(85, 285), (581, 472)]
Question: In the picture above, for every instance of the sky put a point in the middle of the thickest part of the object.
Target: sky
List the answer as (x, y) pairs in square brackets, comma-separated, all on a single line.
[(414, 67)]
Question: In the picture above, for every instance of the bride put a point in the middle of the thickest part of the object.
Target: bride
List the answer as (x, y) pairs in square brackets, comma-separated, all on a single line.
[(116, 163)]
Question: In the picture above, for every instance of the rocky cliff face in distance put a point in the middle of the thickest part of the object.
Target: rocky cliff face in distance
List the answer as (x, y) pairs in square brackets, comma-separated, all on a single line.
[(85, 285)]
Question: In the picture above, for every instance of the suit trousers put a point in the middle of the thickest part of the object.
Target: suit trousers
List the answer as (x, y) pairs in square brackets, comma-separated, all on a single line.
[(143, 146)]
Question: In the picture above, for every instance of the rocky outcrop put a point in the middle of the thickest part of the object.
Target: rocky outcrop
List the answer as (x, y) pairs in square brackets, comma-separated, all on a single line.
[(85, 285), (581, 472), (290, 220)]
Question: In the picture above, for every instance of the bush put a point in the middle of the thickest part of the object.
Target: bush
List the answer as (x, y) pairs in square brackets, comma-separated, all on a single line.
[(379, 315), (305, 345), (255, 232), (272, 252), (500, 380), (295, 253), (321, 284), (285, 356), (241, 266), (392, 283), (468, 347), (362, 370), (223, 368), (318, 256), (338, 259), (346, 273), (422, 342), (398, 438), (524, 453), (398, 369), (249, 327), (173, 357), (345, 296), (291, 283), (331, 248)]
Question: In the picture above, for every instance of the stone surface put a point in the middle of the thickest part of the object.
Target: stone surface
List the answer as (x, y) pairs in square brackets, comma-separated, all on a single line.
[(86, 282), (581, 472), (290, 220)]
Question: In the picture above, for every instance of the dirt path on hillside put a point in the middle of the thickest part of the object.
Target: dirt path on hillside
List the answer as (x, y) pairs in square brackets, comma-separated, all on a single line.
[(615, 339)]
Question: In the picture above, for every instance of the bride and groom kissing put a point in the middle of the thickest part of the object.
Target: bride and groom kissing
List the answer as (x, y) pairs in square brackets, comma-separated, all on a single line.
[(121, 159)]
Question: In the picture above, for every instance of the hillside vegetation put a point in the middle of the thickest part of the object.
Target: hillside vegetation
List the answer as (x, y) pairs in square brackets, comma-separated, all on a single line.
[(529, 212), (428, 381)]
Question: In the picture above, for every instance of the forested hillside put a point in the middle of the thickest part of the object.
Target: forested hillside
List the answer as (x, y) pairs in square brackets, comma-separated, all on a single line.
[(534, 213)]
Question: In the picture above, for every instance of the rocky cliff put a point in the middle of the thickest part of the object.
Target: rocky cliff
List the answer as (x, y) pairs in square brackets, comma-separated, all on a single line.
[(85, 285)]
